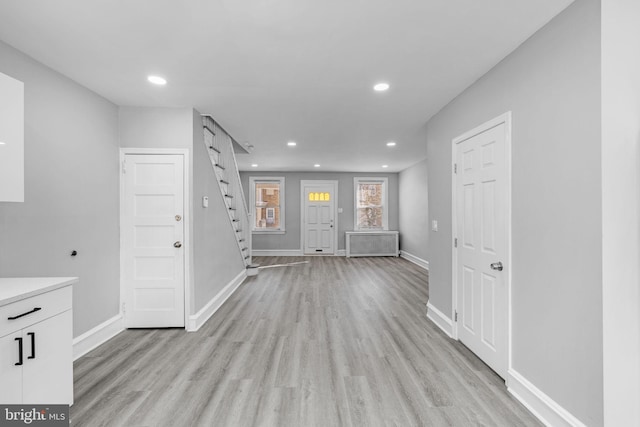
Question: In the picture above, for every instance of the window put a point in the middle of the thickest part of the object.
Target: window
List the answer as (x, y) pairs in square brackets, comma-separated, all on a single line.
[(319, 197), (267, 201), (371, 211)]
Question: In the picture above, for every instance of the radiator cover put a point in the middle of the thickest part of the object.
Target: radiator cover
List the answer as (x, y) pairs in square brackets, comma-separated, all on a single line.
[(372, 243)]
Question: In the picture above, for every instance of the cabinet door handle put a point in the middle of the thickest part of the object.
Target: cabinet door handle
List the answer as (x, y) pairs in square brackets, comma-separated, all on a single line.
[(19, 351), (24, 314), (33, 345)]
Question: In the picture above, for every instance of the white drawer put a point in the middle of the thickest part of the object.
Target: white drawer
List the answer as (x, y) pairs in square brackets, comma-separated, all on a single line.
[(39, 307)]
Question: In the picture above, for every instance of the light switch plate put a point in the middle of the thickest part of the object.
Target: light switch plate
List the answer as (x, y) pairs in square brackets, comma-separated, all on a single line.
[(205, 201), (434, 225), (339, 210)]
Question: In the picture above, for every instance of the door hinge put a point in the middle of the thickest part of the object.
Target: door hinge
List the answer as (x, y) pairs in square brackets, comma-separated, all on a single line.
[(455, 316), (455, 242), (455, 168), (124, 308)]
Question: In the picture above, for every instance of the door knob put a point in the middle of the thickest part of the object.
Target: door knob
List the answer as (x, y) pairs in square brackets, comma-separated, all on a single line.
[(496, 266), (179, 245)]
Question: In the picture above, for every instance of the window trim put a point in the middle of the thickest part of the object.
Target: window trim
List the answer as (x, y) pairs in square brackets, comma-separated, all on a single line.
[(385, 200), (253, 180)]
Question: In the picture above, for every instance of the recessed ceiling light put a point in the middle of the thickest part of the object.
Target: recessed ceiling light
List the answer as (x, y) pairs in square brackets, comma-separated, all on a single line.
[(157, 80), (2, 143), (254, 165), (291, 143), (381, 87), (391, 144), (385, 166), (316, 165)]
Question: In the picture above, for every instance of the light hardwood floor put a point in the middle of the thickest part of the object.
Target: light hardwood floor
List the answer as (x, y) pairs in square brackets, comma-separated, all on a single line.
[(335, 342)]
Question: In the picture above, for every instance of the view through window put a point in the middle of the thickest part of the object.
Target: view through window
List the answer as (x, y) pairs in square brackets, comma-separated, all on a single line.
[(268, 204), (370, 209)]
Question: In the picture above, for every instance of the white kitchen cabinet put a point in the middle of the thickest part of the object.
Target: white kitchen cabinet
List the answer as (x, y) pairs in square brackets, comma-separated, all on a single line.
[(11, 385), (36, 365), (53, 361)]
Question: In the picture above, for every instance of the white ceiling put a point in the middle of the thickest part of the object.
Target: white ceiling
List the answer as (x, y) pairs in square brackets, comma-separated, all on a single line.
[(270, 71)]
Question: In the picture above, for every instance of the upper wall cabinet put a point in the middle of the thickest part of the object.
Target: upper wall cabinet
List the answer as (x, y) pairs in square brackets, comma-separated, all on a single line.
[(11, 139)]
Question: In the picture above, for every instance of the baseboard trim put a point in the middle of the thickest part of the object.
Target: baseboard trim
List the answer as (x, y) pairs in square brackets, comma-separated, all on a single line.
[(414, 259), (542, 406), (440, 319), (102, 333), (341, 252), (277, 252), (200, 318)]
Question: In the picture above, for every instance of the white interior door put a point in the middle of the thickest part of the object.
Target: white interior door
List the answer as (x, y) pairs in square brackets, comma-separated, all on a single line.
[(318, 217), (152, 238), (482, 247)]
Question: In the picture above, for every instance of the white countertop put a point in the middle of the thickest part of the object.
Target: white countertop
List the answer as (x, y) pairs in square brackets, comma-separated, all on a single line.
[(17, 288)]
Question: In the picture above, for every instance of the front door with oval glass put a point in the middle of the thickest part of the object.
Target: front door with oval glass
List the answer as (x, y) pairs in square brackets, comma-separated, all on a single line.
[(318, 217)]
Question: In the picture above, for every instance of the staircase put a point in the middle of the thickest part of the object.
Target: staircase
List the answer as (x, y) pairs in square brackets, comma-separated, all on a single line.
[(219, 144)]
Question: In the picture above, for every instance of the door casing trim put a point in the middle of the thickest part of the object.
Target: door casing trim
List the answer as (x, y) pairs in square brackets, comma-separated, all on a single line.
[(506, 120), (186, 160), (334, 183)]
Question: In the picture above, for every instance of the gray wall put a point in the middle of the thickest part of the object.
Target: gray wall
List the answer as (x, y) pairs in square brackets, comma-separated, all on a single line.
[(552, 86), (71, 191), (217, 258), (621, 210), (146, 127), (291, 239), (413, 211)]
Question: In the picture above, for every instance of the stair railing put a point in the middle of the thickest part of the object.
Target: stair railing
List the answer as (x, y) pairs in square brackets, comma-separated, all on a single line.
[(219, 144)]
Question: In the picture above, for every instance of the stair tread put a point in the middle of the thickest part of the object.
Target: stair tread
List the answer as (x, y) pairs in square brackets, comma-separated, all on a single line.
[(209, 129)]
